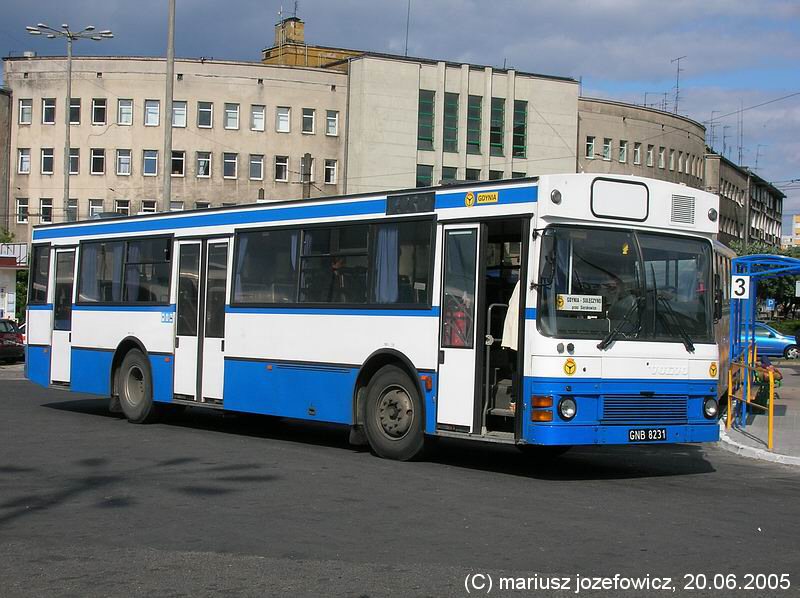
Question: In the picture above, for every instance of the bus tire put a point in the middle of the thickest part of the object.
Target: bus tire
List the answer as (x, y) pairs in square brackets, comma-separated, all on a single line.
[(543, 451), (393, 415), (135, 389)]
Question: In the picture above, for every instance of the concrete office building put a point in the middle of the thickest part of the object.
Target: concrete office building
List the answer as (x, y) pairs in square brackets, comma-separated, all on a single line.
[(5, 163), (239, 132)]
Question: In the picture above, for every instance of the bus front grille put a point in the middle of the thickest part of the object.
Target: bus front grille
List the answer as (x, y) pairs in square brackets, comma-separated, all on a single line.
[(644, 409)]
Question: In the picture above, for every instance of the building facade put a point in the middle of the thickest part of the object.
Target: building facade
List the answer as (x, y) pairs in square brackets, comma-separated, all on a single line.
[(619, 138), (6, 210), (240, 131)]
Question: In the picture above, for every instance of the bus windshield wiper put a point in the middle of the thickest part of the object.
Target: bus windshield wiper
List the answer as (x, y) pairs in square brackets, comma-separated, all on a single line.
[(687, 340), (609, 338)]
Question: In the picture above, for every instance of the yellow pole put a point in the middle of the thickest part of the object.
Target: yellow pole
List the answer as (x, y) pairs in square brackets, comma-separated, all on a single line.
[(771, 401), (730, 392)]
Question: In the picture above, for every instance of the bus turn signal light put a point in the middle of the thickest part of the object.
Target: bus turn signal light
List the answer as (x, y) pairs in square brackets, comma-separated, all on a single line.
[(428, 382), (539, 402), (541, 416)]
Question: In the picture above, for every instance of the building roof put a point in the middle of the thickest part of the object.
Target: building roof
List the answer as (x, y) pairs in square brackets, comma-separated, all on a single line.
[(642, 108), (746, 171)]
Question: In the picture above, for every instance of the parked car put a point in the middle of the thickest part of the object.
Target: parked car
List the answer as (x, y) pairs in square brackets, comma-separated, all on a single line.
[(21, 329), (774, 344), (12, 345)]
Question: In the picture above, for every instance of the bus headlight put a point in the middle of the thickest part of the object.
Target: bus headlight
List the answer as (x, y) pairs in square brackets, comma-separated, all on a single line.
[(567, 408), (710, 408)]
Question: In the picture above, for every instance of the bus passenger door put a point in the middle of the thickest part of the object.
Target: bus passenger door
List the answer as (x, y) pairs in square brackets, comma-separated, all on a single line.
[(187, 320), (61, 351), (458, 330), (213, 325)]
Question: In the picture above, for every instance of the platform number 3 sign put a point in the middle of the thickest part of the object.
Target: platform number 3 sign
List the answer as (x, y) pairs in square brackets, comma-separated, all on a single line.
[(740, 287)]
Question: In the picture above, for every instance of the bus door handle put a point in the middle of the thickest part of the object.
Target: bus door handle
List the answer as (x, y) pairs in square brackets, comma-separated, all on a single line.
[(441, 357), (222, 345), (177, 342)]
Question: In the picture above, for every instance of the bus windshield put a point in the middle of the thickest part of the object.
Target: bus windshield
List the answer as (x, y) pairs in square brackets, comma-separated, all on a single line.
[(638, 285)]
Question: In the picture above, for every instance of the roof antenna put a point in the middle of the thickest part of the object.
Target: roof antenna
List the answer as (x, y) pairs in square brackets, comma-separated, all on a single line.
[(296, 2), (408, 20)]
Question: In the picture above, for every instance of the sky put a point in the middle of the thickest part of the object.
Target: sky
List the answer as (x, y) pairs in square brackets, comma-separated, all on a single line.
[(737, 53)]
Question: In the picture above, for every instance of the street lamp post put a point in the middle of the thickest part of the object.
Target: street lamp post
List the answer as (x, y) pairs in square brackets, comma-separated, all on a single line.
[(65, 32)]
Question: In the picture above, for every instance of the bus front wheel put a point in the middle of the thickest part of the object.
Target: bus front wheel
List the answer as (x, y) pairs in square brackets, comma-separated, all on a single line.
[(136, 389), (393, 415)]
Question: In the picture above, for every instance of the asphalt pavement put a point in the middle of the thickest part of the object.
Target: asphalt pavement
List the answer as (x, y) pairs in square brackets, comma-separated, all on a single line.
[(210, 503)]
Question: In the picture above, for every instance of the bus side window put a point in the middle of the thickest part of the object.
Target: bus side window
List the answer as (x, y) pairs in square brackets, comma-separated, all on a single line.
[(40, 271)]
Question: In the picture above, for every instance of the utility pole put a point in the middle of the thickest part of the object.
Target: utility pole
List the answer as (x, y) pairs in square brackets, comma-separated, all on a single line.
[(306, 175), (741, 129), (677, 80), (713, 127), (167, 194), (65, 32), (725, 138)]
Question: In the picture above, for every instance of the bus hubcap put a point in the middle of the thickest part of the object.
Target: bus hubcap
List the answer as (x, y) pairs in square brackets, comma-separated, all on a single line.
[(395, 412), (134, 386)]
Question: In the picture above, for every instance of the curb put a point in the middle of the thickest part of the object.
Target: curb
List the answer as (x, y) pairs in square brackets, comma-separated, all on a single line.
[(730, 445)]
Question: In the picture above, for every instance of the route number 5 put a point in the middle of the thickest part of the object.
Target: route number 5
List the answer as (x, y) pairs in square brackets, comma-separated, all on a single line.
[(740, 287)]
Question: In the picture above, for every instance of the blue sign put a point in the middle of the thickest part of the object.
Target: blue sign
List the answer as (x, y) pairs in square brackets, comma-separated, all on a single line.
[(770, 304)]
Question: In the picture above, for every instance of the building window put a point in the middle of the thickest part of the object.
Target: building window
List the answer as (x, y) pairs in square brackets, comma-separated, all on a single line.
[(47, 160), (98, 111), (24, 161), (230, 165), (22, 210), (122, 207), (309, 116), (49, 111), (649, 156), (45, 210), (495, 175), (606, 148), (424, 175), (306, 167), (205, 115), (661, 155), (474, 124), (75, 111), (125, 112), (519, 142), (176, 206), (151, 113), (622, 153), (74, 160), (282, 169), (256, 167), (425, 120), (25, 112), (473, 174), (150, 162), (179, 114), (202, 205), (203, 164), (149, 206), (124, 162), (680, 161), (95, 207), (257, 117), (450, 123), (282, 116), (672, 159), (590, 147), (637, 153), (97, 164), (178, 164), (332, 123), (449, 173), (231, 116), (330, 172), (517, 175), (72, 210), (498, 117)]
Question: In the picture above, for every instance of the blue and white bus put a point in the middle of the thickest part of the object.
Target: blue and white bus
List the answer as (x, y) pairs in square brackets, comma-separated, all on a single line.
[(542, 312)]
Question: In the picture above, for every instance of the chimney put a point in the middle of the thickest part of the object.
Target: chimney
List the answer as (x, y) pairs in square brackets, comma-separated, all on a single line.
[(290, 31)]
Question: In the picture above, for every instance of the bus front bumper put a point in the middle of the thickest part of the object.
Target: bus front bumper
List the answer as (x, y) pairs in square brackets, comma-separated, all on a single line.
[(566, 434)]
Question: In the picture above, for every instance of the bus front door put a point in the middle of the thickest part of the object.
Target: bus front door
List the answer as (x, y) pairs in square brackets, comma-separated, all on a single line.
[(458, 330), (200, 320), (61, 351)]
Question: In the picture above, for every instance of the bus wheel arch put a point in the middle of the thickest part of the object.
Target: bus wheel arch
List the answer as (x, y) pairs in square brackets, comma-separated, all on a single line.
[(131, 355), (128, 343), (381, 361)]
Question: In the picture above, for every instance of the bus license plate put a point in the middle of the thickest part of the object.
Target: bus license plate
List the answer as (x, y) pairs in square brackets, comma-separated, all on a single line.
[(647, 435)]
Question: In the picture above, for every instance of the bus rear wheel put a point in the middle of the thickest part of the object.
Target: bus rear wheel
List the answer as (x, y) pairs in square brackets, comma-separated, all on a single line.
[(393, 415), (136, 389)]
